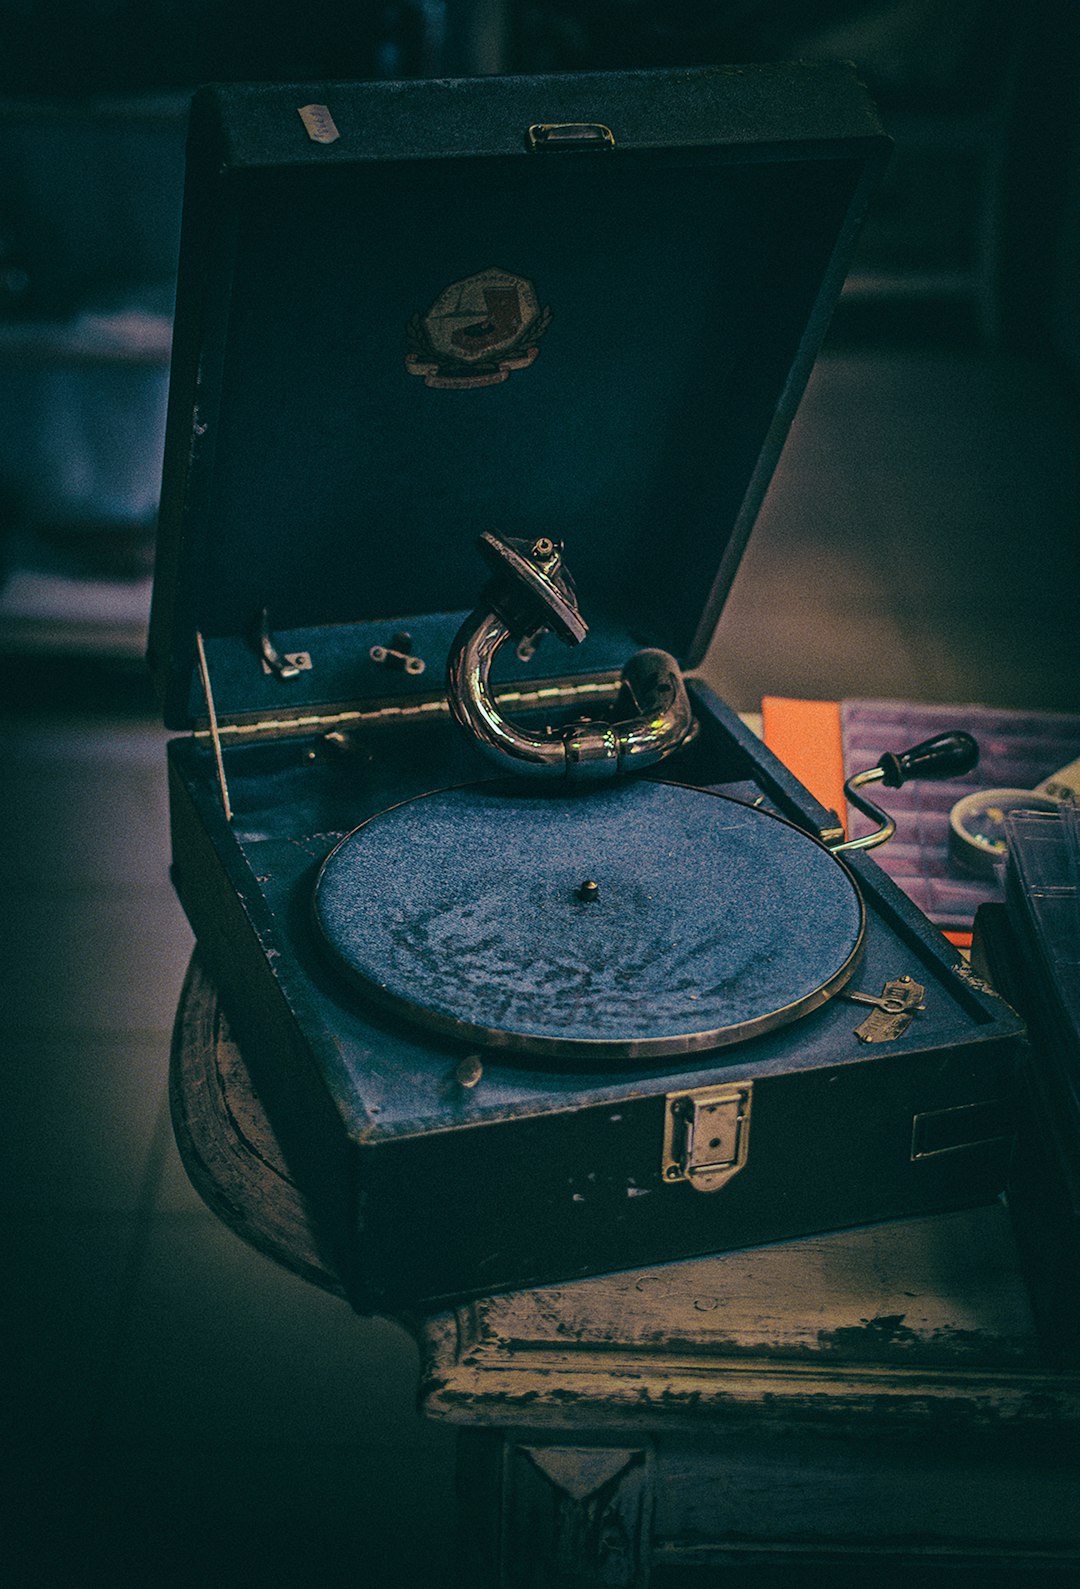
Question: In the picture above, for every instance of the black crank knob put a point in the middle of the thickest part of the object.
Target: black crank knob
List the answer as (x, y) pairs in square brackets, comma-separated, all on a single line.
[(945, 756)]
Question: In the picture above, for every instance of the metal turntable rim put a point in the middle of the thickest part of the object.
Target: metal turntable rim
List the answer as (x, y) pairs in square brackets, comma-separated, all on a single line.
[(377, 884)]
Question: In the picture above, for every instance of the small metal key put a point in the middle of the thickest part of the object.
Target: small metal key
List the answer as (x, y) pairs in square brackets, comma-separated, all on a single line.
[(893, 1010)]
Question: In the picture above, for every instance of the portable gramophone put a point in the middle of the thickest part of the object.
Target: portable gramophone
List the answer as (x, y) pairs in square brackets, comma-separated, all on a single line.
[(541, 962)]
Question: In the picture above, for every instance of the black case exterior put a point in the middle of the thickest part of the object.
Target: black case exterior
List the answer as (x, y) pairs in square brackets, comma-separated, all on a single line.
[(426, 1189), (1044, 1177), (690, 272)]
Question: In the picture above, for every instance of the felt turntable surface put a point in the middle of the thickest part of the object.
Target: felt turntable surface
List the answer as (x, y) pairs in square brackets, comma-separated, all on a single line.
[(630, 920)]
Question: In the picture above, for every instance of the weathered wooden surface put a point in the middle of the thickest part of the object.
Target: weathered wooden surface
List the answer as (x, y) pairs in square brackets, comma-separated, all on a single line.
[(869, 1395), (560, 1513), (903, 1324), (891, 1321), (910, 1496), (228, 1149), (576, 1515)]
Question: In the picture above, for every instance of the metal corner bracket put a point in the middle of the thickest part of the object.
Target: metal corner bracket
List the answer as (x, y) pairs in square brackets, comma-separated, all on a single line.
[(706, 1135)]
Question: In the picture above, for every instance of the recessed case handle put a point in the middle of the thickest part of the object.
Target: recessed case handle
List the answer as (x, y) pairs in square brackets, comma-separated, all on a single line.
[(568, 136)]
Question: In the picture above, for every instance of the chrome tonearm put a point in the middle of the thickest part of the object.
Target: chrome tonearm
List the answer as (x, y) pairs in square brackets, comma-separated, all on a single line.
[(531, 594)]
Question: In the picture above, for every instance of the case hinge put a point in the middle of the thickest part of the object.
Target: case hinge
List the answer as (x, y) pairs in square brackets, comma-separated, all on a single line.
[(707, 1135), (597, 691)]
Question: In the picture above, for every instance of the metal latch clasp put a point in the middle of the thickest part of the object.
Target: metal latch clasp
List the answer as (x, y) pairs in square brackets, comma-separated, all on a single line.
[(707, 1135)]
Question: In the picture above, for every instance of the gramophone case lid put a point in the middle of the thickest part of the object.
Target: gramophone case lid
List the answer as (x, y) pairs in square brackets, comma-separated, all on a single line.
[(403, 319)]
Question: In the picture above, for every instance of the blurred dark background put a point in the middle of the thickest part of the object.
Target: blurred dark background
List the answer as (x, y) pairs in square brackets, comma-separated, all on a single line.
[(178, 1411), (971, 247)]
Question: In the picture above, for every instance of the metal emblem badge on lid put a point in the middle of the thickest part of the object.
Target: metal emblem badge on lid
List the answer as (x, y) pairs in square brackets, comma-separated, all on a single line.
[(477, 331)]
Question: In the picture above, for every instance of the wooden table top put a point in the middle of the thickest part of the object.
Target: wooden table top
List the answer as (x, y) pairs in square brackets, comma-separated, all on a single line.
[(896, 1325)]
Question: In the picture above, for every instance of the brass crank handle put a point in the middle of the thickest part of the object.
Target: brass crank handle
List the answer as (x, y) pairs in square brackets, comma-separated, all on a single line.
[(947, 755)]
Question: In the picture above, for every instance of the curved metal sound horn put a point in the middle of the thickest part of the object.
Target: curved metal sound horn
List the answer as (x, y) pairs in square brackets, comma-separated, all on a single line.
[(531, 594)]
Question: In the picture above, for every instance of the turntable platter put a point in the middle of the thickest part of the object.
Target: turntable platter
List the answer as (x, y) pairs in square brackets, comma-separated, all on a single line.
[(629, 921)]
